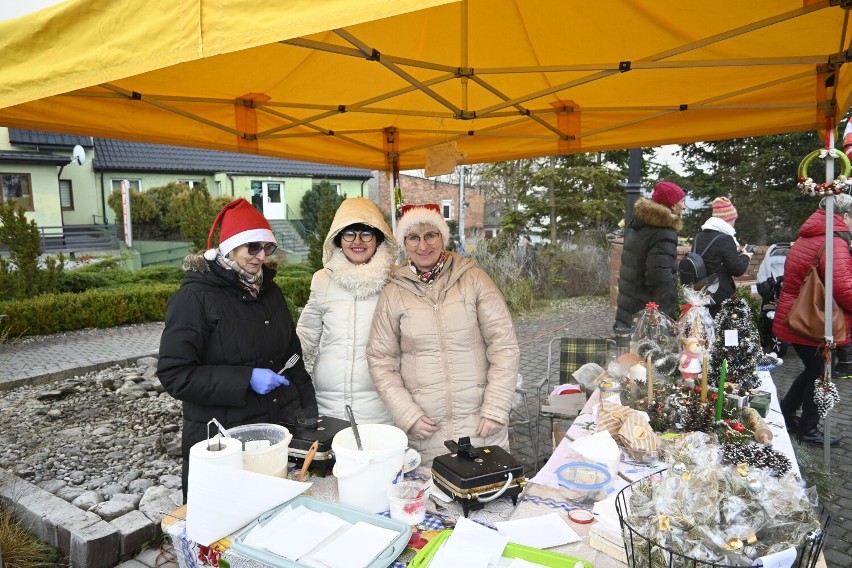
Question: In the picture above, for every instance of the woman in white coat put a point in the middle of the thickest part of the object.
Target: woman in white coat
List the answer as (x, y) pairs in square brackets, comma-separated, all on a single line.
[(334, 326)]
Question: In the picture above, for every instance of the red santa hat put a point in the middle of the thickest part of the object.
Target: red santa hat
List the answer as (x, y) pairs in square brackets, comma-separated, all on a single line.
[(239, 223), (428, 213)]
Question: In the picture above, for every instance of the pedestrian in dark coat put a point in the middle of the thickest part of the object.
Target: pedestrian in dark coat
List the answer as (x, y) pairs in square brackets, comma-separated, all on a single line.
[(801, 257), (723, 256), (648, 261), (228, 331)]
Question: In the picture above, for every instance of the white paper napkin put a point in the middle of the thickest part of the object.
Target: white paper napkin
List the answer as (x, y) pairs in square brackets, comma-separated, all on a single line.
[(543, 531)]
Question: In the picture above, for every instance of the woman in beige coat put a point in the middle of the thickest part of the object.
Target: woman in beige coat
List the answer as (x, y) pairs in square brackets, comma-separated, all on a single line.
[(442, 350), (334, 325)]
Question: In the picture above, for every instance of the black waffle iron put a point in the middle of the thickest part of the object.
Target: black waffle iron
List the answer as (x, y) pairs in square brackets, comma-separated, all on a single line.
[(305, 432), (474, 476)]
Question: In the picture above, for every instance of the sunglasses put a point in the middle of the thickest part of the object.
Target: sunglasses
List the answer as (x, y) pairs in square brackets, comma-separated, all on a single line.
[(366, 236), (255, 248)]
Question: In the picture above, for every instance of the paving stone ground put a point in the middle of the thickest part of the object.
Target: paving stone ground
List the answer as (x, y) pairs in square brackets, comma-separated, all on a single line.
[(54, 357)]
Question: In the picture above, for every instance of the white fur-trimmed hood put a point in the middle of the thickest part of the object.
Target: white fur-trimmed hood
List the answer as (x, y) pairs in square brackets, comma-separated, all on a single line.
[(362, 280)]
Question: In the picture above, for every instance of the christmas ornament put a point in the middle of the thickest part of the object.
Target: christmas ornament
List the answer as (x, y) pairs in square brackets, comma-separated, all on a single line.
[(825, 396)]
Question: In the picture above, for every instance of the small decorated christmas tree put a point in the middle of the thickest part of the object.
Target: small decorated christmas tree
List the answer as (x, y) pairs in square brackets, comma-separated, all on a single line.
[(738, 342)]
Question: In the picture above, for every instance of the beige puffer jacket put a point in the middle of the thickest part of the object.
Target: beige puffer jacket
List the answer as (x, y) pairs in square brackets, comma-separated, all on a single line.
[(335, 323), (446, 350)]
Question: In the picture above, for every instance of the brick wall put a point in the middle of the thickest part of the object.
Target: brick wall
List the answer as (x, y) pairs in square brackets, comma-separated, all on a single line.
[(417, 190), (617, 245)]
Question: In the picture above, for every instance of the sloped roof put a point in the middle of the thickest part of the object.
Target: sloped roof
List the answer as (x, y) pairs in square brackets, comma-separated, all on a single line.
[(33, 157), (138, 156), (20, 136)]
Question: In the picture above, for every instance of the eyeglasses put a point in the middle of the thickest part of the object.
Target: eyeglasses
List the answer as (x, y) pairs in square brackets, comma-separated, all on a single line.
[(255, 248), (414, 240), (366, 236)]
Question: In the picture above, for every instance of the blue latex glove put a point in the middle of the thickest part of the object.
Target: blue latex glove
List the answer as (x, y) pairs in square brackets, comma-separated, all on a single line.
[(264, 381)]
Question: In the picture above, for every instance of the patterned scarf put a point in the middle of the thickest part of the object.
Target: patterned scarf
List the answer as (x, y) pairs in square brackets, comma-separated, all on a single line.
[(251, 283), (431, 274)]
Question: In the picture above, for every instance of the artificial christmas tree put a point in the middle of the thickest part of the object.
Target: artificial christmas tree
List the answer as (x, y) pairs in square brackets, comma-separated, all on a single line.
[(738, 342)]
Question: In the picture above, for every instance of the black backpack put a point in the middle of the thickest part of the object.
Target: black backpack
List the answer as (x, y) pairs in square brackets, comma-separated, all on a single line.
[(691, 268)]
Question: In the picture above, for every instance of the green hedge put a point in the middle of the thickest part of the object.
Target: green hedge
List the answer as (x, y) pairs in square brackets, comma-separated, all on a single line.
[(111, 307)]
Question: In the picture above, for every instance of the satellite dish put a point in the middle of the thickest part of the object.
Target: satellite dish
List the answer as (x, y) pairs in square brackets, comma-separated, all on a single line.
[(78, 155)]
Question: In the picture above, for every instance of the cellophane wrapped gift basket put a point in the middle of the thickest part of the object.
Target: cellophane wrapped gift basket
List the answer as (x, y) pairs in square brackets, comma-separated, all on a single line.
[(705, 512)]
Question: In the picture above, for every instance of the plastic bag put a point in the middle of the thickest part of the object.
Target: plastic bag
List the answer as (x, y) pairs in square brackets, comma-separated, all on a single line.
[(653, 327), (695, 320)]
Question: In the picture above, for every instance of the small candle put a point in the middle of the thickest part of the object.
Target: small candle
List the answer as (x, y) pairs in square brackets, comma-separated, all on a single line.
[(650, 380), (704, 378), (720, 397)]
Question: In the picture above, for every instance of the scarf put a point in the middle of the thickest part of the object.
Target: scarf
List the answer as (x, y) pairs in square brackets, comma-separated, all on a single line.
[(716, 224), (251, 283), (431, 274)]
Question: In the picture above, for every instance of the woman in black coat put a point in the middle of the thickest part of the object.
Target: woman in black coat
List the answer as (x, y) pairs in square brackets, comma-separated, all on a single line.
[(722, 254), (648, 271), (228, 332)]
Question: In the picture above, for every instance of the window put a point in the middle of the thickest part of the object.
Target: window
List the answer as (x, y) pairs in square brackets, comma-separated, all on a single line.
[(135, 184), (66, 195), (447, 208), (334, 186), (190, 182), (18, 187)]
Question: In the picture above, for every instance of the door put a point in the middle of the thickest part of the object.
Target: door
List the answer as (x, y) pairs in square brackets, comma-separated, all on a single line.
[(273, 200)]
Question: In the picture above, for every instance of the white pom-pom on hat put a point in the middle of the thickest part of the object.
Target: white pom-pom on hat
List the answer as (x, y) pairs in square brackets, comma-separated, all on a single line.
[(427, 214)]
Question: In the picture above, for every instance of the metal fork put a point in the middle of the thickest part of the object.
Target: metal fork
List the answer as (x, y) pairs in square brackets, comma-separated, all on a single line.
[(290, 362)]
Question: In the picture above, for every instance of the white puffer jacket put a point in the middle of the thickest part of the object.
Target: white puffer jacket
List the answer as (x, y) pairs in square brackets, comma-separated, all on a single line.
[(445, 350), (335, 324)]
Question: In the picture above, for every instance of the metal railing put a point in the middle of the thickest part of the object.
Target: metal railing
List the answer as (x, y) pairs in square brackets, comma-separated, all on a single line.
[(78, 237), (297, 223)]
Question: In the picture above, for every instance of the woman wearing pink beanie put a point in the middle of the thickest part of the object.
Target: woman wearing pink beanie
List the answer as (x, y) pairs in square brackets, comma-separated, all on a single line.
[(722, 254)]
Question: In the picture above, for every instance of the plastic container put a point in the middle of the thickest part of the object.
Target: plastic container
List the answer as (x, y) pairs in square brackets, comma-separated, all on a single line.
[(267, 558), (584, 482), (365, 476), (405, 503), (265, 447)]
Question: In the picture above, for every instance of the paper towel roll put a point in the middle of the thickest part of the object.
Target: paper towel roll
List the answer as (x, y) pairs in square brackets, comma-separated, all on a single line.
[(230, 456)]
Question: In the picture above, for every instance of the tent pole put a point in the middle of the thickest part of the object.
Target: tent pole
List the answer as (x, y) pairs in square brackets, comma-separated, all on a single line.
[(829, 286), (634, 182)]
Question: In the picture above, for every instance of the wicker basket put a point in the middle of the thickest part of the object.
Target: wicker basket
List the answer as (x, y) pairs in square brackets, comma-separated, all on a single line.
[(640, 548)]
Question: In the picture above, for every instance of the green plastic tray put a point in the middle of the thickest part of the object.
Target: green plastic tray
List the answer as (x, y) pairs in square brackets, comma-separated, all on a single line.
[(528, 553), (350, 514)]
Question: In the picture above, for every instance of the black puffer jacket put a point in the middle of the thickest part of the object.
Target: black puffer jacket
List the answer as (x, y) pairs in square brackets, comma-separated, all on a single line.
[(215, 334), (648, 268), (722, 258)]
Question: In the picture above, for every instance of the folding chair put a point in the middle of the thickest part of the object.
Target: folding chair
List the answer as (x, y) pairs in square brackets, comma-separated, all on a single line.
[(520, 416), (574, 352)]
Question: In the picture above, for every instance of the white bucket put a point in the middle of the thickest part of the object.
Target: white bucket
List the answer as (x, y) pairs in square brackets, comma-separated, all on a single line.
[(265, 447), (364, 476)]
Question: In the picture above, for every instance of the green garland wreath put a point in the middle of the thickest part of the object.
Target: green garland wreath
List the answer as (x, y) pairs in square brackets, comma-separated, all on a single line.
[(841, 184)]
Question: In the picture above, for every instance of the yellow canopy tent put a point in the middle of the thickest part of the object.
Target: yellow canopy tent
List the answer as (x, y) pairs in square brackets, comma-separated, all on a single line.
[(362, 83)]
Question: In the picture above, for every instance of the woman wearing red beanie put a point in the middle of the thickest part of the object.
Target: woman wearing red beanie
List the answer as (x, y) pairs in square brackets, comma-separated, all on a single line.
[(228, 334), (648, 269)]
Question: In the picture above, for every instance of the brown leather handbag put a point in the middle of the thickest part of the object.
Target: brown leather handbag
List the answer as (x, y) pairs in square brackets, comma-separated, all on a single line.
[(807, 315)]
